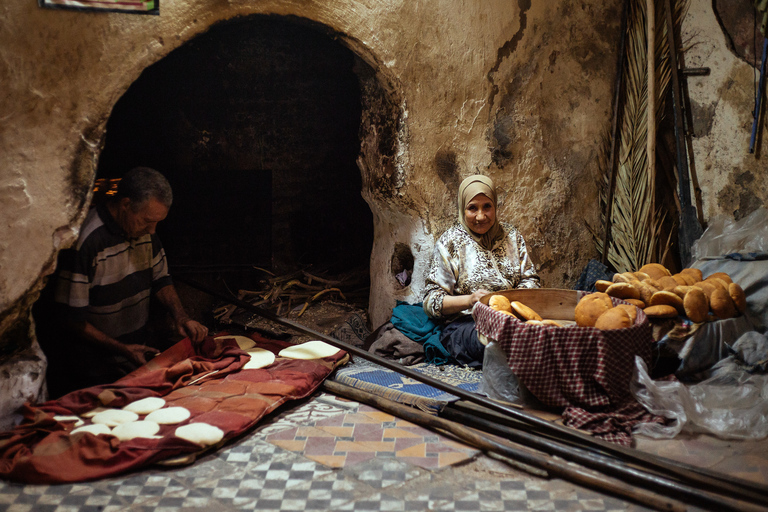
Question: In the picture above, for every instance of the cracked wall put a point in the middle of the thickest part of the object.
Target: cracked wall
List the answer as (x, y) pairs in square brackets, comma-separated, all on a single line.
[(516, 90)]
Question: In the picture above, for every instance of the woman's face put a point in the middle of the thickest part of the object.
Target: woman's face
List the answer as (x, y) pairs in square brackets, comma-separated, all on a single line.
[(480, 214)]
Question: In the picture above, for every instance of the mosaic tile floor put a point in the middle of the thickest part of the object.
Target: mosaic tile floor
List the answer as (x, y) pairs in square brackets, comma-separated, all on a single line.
[(330, 454)]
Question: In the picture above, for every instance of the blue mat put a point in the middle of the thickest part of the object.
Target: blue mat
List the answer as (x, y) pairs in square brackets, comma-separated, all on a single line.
[(386, 383)]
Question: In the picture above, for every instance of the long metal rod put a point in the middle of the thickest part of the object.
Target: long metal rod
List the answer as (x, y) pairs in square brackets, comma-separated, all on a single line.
[(538, 424), (656, 481), (552, 466)]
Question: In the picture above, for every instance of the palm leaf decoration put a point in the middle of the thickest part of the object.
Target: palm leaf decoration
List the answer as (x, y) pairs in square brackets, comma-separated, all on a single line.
[(636, 226)]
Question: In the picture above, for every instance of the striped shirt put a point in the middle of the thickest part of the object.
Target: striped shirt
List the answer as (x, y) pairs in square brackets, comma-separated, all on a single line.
[(107, 278)]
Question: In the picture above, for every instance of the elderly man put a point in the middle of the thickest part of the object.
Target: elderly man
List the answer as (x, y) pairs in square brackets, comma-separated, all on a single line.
[(106, 280)]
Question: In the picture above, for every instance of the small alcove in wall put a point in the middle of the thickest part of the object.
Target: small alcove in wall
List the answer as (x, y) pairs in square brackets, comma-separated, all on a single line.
[(256, 125)]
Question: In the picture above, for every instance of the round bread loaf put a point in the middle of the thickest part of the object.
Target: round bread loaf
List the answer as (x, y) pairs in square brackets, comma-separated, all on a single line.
[(631, 310), (499, 303), (722, 305), (614, 318), (641, 276), (680, 291), (623, 278), (623, 291), (718, 283), (553, 323), (524, 312), (668, 283), (636, 302), (696, 305), (721, 275), (738, 296), (590, 307), (601, 285), (694, 272), (646, 292), (706, 287), (669, 299), (679, 279), (661, 311), (655, 270), (688, 278)]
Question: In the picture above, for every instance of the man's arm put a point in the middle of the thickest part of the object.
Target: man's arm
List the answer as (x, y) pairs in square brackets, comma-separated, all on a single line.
[(137, 354), (184, 323)]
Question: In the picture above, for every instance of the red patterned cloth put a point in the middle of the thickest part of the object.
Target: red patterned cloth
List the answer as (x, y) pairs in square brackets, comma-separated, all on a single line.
[(209, 382), (585, 370)]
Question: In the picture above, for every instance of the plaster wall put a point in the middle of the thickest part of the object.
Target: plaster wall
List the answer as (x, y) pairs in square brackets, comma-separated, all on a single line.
[(733, 183), (518, 91)]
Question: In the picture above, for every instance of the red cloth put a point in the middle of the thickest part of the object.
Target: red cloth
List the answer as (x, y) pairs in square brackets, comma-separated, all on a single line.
[(585, 370), (210, 383)]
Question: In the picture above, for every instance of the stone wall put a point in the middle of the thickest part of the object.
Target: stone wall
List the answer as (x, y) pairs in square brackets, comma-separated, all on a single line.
[(518, 91)]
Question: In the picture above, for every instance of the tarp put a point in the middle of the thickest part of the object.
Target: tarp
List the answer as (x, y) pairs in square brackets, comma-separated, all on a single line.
[(209, 382)]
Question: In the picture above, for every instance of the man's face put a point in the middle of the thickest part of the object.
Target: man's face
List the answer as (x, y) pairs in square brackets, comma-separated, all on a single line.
[(141, 219)]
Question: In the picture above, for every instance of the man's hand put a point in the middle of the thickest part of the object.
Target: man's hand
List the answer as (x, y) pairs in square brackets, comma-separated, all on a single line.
[(192, 329), (139, 354)]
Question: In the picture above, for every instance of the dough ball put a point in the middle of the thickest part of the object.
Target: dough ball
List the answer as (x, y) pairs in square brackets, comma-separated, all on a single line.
[(114, 417), (69, 419), (738, 296), (134, 429), (696, 305), (169, 415), (590, 307), (623, 291), (260, 358), (95, 429), (145, 405), (661, 311), (722, 305), (614, 318), (200, 433), (655, 270), (310, 350), (499, 303), (524, 311), (93, 412), (668, 298)]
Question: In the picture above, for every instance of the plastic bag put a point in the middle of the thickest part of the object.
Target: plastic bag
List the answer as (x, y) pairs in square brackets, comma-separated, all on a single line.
[(725, 236), (730, 406), (498, 382)]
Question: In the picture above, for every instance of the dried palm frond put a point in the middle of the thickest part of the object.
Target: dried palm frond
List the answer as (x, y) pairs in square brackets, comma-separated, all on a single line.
[(636, 226)]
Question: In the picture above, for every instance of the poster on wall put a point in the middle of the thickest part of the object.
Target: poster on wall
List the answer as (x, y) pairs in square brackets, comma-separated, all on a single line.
[(132, 6)]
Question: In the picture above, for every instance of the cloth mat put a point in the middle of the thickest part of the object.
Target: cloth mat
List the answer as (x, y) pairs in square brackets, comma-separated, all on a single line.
[(373, 378), (209, 382)]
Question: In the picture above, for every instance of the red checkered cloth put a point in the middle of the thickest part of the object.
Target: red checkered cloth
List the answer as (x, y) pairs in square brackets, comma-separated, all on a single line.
[(585, 370)]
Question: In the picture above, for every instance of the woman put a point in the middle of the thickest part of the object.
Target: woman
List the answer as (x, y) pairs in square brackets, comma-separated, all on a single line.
[(472, 258)]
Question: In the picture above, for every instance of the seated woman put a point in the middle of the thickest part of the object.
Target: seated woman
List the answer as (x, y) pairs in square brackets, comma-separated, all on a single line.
[(472, 258)]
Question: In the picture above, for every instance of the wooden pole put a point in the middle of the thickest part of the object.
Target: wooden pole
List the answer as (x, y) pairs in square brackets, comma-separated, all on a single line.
[(551, 465), (651, 112)]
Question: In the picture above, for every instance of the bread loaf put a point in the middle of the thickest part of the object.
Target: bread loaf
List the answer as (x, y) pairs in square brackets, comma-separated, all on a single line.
[(614, 318), (590, 307), (499, 303), (524, 312), (696, 305)]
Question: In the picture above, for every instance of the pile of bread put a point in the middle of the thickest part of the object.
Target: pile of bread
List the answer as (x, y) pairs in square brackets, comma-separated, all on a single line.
[(519, 310), (661, 294)]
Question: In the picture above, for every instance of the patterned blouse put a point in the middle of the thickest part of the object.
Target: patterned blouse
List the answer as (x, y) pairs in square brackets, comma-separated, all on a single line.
[(461, 266)]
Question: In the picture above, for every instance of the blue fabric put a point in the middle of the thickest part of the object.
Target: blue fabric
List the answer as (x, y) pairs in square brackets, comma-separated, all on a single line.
[(749, 256), (593, 272), (413, 322)]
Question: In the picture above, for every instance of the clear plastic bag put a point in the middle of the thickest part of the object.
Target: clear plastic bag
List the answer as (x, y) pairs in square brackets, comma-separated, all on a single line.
[(499, 382), (730, 406), (725, 236)]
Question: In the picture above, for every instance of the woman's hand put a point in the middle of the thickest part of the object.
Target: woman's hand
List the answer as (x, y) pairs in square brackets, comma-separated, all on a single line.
[(456, 303)]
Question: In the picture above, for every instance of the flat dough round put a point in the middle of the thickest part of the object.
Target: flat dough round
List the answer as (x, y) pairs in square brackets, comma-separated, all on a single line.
[(169, 415), (93, 412), (145, 405), (95, 429), (244, 342), (310, 350), (114, 417), (67, 419), (260, 358), (200, 433), (134, 429)]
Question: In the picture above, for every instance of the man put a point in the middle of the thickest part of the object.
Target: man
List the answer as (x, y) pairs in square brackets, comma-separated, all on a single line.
[(106, 280)]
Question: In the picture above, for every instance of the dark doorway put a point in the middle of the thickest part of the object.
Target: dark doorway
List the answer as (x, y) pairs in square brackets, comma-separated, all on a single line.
[(255, 123)]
